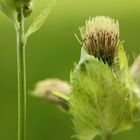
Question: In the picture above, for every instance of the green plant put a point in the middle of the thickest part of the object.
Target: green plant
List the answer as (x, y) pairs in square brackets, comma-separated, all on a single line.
[(18, 11), (105, 93)]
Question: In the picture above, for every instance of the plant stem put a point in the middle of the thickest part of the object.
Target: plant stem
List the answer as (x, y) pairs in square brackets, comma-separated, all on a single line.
[(21, 70)]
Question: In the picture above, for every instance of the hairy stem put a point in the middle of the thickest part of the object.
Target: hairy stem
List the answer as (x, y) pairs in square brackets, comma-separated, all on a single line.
[(21, 70)]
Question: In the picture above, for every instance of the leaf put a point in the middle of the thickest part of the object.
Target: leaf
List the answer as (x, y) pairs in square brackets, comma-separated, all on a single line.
[(122, 67), (8, 7), (40, 19), (99, 102), (60, 95)]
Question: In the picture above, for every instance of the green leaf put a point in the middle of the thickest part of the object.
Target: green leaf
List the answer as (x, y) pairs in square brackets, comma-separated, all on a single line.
[(121, 64), (40, 19), (100, 102), (8, 7), (60, 95)]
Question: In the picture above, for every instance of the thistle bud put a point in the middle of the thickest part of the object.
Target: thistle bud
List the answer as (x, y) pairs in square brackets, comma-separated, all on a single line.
[(100, 37), (54, 91)]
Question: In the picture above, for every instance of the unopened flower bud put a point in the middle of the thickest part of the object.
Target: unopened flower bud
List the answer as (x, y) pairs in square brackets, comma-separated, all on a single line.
[(27, 8), (54, 91), (100, 37), (26, 5)]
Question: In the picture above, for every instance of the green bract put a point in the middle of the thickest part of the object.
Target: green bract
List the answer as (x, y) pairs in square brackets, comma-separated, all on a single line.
[(102, 102)]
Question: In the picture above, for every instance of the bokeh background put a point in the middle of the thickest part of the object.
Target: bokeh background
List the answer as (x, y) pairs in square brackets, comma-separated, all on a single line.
[(51, 53)]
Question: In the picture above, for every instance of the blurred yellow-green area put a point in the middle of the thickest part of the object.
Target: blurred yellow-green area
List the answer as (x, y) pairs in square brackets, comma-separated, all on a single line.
[(51, 53)]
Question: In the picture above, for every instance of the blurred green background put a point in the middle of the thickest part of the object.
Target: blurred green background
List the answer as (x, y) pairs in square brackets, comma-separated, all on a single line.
[(51, 53)]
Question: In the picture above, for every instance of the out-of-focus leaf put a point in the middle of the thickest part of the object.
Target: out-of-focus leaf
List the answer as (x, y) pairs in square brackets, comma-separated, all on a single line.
[(9, 8), (40, 19), (135, 71)]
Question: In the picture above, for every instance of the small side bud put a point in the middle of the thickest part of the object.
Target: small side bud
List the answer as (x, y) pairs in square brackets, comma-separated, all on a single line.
[(54, 91), (27, 8), (100, 36), (26, 5)]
